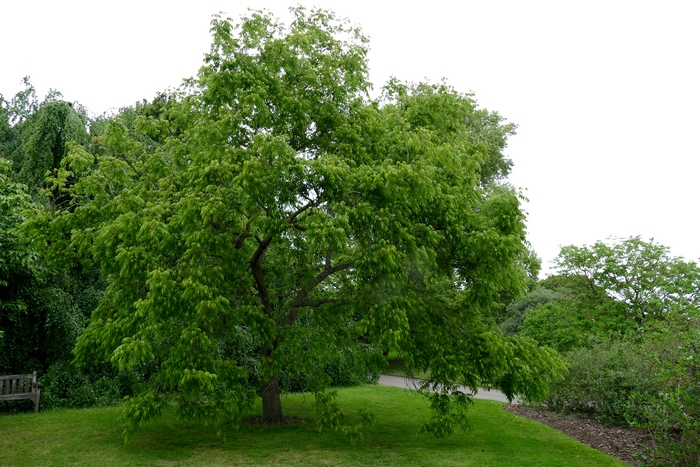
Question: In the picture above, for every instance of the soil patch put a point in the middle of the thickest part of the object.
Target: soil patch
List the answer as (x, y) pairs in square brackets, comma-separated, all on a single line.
[(259, 420), (626, 444)]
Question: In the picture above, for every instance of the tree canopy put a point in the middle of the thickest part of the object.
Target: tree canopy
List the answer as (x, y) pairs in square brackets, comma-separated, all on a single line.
[(272, 197), (640, 274), (617, 287)]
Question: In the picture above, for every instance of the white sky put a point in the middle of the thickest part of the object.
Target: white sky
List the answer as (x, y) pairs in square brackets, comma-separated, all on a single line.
[(606, 93)]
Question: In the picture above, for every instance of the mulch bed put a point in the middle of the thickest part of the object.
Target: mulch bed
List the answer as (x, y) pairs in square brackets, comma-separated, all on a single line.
[(626, 444)]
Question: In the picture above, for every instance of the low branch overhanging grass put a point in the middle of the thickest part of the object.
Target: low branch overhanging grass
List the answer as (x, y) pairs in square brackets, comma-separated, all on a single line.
[(93, 437), (395, 367)]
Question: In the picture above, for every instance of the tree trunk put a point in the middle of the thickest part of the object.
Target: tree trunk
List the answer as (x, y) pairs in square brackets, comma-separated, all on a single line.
[(271, 400)]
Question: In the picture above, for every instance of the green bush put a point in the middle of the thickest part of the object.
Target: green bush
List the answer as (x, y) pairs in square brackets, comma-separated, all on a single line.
[(652, 384), (602, 379), (672, 412), (64, 385), (673, 417)]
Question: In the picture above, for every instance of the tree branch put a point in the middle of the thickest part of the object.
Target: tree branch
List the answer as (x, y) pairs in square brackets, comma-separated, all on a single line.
[(123, 157), (318, 303), (238, 243), (327, 271), (256, 270), (292, 217)]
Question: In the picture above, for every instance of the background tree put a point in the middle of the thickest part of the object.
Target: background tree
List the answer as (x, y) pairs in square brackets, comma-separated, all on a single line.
[(640, 274), (290, 207), (42, 308), (39, 320), (35, 135), (612, 289), (517, 310), (18, 269)]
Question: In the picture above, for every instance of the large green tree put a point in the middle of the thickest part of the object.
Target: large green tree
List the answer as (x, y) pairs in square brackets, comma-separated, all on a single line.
[(283, 202)]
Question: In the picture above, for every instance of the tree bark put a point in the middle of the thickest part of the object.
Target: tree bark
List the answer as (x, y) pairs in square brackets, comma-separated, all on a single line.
[(271, 400)]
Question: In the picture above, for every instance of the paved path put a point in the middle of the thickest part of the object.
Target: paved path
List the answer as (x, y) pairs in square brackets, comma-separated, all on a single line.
[(409, 383)]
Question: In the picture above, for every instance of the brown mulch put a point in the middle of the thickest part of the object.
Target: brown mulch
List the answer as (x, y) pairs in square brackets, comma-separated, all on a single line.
[(259, 420), (622, 443)]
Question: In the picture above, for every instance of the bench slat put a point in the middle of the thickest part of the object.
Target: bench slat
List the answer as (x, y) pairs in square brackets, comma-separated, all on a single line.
[(16, 397), (16, 376)]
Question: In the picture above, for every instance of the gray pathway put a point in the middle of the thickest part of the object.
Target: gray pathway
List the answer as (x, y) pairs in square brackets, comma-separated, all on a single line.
[(409, 383)]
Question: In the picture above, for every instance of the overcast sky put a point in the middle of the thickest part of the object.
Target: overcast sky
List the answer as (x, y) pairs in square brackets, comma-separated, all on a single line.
[(606, 94)]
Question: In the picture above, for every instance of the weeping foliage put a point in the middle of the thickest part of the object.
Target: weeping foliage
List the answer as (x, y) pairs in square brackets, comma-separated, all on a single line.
[(35, 135)]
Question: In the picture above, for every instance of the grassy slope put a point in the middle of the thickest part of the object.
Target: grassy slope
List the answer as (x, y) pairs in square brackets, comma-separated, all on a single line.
[(92, 437)]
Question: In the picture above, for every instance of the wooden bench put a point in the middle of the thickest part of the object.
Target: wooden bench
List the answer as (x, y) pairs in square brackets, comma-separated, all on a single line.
[(16, 387)]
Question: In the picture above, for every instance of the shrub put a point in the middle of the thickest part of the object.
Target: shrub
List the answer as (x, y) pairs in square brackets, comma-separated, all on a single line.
[(672, 413), (652, 384), (673, 417), (602, 379), (64, 385)]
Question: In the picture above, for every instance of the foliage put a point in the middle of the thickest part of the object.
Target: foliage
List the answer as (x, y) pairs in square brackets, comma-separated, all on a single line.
[(602, 377), (13, 114), (19, 271), (275, 197), (501, 310), (627, 317), (651, 384), (566, 325), (641, 275), (517, 310), (42, 309), (344, 366), (35, 135)]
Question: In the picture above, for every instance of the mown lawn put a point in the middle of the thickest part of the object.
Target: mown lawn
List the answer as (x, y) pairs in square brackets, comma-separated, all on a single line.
[(93, 437)]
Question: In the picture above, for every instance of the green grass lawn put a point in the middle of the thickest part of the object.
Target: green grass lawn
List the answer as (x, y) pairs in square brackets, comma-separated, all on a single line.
[(93, 437)]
